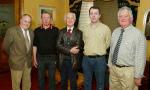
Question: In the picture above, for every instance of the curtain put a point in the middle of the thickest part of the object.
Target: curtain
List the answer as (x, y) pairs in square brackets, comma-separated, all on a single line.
[(75, 6)]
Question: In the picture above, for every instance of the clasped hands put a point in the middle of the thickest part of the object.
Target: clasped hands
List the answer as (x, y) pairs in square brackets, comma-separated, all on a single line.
[(74, 50)]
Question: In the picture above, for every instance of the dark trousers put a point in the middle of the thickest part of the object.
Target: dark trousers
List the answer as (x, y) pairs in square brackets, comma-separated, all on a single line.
[(47, 62), (67, 73), (96, 66)]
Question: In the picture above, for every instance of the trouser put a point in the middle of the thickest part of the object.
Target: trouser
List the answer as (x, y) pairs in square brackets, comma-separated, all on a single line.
[(24, 75), (122, 78), (47, 62), (97, 66), (67, 73)]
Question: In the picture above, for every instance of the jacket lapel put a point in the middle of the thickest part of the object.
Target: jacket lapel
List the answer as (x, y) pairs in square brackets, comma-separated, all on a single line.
[(73, 34), (20, 33), (31, 38)]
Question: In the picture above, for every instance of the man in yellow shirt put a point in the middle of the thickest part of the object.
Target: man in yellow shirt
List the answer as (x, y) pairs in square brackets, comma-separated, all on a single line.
[(96, 37)]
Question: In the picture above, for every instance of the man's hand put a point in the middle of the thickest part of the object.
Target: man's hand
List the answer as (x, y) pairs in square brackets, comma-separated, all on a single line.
[(138, 81), (74, 50), (35, 63)]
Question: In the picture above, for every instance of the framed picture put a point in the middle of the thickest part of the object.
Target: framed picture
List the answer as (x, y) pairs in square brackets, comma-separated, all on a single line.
[(50, 10), (146, 23), (7, 18)]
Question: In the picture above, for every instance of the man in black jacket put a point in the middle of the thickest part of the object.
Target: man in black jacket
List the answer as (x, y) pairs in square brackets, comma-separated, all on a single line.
[(69, 45)]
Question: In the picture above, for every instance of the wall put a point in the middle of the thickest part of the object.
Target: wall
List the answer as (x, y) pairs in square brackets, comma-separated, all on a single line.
[(61, 7), (108, 12), (144, 5)]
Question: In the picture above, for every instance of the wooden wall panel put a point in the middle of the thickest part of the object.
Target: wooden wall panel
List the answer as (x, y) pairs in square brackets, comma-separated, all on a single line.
[(6, 1)]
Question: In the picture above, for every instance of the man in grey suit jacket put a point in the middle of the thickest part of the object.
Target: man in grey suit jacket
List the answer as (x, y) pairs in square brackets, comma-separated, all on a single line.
[(20, 52)]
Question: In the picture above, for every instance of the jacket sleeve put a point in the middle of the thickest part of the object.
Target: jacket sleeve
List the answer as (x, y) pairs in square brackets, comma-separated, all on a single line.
[(8, 40), (60, 44), (81, 42)]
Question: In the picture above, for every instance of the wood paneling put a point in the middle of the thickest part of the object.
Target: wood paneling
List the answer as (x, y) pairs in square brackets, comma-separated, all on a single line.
[(6, 1), (18, 9)]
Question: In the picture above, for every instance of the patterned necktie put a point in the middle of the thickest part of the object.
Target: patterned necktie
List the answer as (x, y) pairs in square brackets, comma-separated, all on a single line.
[(116, 50), (27, 40)]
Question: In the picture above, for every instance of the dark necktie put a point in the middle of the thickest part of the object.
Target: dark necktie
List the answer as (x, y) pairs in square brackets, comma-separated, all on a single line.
[(116, 50), (69, 32)]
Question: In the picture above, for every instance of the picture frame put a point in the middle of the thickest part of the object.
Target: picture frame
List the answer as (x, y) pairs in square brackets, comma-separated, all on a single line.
[(146, 23), (50, 10)]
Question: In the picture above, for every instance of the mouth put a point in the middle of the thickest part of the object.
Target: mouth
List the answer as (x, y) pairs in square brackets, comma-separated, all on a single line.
[(123, 21)]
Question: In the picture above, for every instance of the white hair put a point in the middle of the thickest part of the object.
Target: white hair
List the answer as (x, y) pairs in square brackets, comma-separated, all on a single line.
[(70, 13), (128, 9)]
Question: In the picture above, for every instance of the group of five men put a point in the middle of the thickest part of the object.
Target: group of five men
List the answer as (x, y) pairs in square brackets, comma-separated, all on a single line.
[(126, 57)]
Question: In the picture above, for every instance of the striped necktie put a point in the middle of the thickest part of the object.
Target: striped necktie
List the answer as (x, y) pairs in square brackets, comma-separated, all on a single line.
[(116, 50)]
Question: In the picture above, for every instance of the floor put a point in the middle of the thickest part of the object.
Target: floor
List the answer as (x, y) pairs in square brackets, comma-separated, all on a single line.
[(5, 81)]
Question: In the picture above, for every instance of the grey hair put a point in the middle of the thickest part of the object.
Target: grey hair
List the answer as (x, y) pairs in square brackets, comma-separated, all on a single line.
[(26, 15), (72, 13), (128, 9)]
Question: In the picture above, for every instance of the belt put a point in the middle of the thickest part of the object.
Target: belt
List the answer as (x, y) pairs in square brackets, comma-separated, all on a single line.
[(51, 55), (120, 66), (94, 56)]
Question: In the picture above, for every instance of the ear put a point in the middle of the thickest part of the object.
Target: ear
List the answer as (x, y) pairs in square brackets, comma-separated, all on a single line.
[(99, 15), (131, 20)]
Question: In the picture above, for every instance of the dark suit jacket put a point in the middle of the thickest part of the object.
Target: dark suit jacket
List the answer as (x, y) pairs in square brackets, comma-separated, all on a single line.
[(75, 39), (14, 45)]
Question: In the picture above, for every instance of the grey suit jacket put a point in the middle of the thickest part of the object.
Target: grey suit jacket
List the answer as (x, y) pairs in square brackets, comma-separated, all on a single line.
[(14, 45)]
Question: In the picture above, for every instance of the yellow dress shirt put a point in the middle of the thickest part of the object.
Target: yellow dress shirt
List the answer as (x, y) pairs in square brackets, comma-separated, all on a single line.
[(96, 39)]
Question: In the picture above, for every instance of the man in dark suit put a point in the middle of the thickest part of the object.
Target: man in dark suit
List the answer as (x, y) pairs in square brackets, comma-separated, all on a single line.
[(69, 45), (18, 45)]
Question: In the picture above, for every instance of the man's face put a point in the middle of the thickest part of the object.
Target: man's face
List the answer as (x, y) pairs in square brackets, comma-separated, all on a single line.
[(45, 19), (70, 19), (124, 18), (25, 22), (94, 15)]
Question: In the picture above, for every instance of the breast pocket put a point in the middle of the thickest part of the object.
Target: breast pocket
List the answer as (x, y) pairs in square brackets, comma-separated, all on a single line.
[(128, 47)]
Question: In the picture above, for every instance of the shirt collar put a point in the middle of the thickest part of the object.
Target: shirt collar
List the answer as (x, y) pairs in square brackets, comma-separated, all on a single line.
[(50, 27), (95, 24), (23, 30), (128, 28), (70, 28)]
